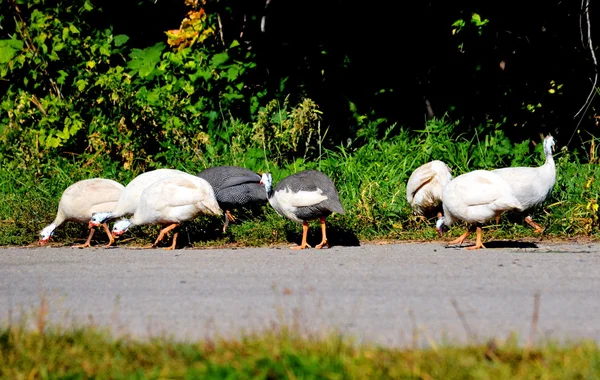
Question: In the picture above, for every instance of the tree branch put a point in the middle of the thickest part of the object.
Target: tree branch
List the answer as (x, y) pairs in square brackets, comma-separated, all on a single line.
[(585, 8)]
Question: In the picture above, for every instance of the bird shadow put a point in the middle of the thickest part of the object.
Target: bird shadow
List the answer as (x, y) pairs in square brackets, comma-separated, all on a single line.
[(499, 244), (510, 244), (336, 236)]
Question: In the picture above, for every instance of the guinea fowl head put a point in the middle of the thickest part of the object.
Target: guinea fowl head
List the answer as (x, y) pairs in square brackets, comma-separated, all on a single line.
[(440, 226), (267, 181), (549, 145), (98, 218), (120, 227), (46, 234)]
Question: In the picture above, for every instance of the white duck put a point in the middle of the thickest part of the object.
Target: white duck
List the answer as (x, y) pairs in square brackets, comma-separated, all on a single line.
[(169, 202), (80, 200), (425, 187), (302, 197), (130, 197), (475, 197), (532, 186)]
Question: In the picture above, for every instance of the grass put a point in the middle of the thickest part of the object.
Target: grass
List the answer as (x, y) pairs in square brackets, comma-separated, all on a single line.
[(280, 352), (370, 178)]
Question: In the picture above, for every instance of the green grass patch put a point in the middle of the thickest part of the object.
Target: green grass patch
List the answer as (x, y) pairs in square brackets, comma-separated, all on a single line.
[(370, 176), (88, 352)]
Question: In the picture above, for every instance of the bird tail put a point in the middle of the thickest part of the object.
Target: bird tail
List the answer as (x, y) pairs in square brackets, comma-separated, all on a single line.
[(509, 202), (339, 209)]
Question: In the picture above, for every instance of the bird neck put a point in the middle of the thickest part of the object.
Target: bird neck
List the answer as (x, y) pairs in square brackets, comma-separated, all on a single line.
[(549, 158)]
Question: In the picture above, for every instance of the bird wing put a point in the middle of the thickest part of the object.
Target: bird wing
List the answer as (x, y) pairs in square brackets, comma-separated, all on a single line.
[(174, 194), (238, 180), (485, 189), (301, 198), (417, 180)]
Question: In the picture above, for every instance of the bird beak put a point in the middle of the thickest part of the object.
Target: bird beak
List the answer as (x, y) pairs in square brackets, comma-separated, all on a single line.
[(92, 224), (42, 242), (439, 231)]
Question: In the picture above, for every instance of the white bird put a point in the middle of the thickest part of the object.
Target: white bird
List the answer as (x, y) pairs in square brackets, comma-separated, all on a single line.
[(475, 197), (169, 202), (425, 187), (302, 197), (128, 202), (532, 186), (80, 200)]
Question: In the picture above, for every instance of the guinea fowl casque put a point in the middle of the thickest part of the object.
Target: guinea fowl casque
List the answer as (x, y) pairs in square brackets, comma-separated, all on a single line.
[(169, 202), (130, 197), (475, 197), (532, 186), (425, 187), (302, 197), (80, 200), (234, 187)]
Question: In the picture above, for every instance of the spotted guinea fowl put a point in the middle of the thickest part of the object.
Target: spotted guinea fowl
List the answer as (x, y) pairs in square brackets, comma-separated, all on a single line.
[(532, 186), (234, 187), (425, 187), (130, 197), (475, 197), (80, 200), (302, 197), (169, 202)]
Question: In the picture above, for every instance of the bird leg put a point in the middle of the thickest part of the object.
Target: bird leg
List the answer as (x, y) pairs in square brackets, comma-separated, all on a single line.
[(538, 228), (324, 240), (162, 234), (459, 240), (304, 244), (87, 242), (111, 239), (228, 218), (172, 247), (478, 243)]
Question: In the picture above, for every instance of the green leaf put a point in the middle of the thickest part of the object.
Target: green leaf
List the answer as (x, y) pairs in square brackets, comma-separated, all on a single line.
[(219, 59), (73, 29), (121, 39), (234, 43), (233, 72), (8, 49), (144, 61), (88, 6), (81, 84)]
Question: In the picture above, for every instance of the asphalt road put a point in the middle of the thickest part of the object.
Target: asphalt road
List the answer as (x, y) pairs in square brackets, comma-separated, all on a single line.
[(396, 294)]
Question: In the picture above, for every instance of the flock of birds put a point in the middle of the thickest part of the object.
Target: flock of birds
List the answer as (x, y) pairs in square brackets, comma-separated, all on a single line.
[(169, 197)]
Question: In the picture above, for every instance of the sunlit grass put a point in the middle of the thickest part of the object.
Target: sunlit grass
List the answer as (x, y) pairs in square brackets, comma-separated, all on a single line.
[(370, 178), (279, 352)]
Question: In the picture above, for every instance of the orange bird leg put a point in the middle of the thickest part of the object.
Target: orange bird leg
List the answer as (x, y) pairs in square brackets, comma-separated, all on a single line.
[(478, 243), (461, 238), (228, 218), (87, 242), (111, 239), (172, 247), (533, 224), (162, 234), (304, 244), (324, 240)]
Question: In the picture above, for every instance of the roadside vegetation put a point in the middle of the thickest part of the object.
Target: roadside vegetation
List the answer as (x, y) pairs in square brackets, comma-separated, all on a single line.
[(47, 352), (79, 100), (370, 178)]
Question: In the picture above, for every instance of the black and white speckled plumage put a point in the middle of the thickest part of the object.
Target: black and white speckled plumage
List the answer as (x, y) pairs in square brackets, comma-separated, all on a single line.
[(309, 181), (234, 186)]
